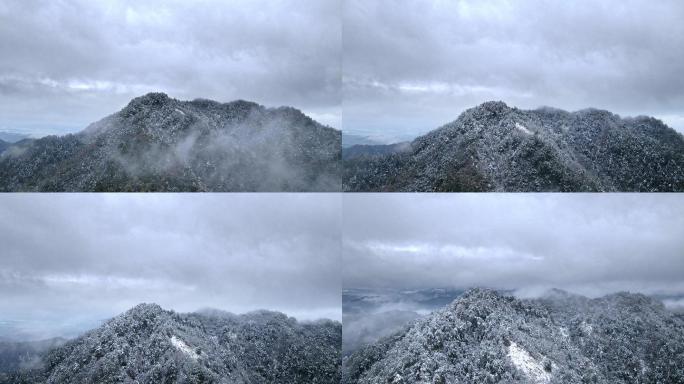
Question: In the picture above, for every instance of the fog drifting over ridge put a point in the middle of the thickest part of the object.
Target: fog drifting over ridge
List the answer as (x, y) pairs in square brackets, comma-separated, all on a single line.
[(70, 261), (66, 64), (590, 244), (409, 69)]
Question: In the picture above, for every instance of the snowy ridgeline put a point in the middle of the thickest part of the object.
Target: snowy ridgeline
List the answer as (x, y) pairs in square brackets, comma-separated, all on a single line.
[(497, 148), (149, 345), (488, 337), (157, 143)]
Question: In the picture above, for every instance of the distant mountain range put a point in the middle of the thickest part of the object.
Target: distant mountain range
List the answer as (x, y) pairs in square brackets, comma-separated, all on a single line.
[(149, 345), (359, 300), (488, 337), (12, 137), (157, 143), (349, 140), (494, 147)]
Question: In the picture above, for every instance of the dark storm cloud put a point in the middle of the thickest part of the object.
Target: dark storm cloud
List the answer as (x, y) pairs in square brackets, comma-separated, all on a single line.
[(410, 66), (88, 257), (64, 64), (587, 243)]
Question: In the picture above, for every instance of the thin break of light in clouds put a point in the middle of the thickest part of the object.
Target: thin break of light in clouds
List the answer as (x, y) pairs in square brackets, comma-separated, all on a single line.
[(411, 66), (589, 243), (65, 64), (71, 260)]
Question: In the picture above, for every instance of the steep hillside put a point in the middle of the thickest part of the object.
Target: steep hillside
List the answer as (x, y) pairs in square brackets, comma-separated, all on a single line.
[(157, 143), (497, 148), (150, 345), (486, 337)]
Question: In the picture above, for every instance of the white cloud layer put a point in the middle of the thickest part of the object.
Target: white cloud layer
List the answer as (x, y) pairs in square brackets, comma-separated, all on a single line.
[(587, 243)]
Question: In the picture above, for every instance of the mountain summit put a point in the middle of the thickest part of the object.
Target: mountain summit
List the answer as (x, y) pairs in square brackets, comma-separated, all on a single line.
[(487, 337), (149, 345), (157, 143), (494, 147)]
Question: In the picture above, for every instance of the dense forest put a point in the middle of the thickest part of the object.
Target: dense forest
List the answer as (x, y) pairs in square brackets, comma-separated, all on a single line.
[(494, 147), (157, 143), (489, 337), (149, 345)]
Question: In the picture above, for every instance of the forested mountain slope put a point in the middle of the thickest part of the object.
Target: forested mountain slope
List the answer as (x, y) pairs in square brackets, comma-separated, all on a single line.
[(494, 147), (150, 345), (486, 337), (157, 143)]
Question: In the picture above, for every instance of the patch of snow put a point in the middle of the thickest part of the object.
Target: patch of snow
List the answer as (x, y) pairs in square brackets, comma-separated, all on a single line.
[(181, 346), (523, 128), (564, 332), (524, 362), (586, 328)]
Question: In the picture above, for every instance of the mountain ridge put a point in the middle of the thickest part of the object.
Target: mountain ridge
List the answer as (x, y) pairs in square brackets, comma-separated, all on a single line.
[(148, 344), (494, 147), (485, 336), (157, 143)]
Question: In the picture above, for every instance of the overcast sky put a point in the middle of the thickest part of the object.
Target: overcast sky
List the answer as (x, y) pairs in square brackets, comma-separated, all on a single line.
[(65, 64), (411, 66), (586, 243), (68, 261), (407, 66)]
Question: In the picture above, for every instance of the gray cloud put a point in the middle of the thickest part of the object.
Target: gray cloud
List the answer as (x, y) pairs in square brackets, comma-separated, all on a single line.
[(70, 260), (66, 64), (587, 243), (414, 65)]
